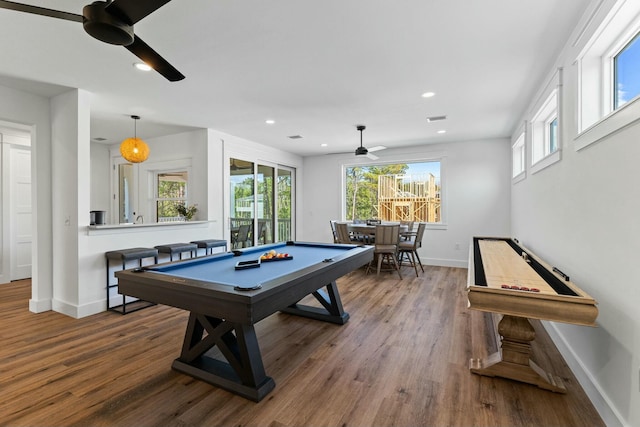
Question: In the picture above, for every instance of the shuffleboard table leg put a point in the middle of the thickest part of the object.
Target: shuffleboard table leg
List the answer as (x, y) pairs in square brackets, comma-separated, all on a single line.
[(514, 362), (242, 372)]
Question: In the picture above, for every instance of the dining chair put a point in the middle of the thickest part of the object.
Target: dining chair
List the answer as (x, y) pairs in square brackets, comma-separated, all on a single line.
[(409, 248), (386, 247), (243, 236), (343, 233), (407, 234), (332, 223)]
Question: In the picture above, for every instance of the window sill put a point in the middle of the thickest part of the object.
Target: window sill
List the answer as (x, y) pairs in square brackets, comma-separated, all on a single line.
[(613, 122), (133, 228), (520, 177), (545, 162)]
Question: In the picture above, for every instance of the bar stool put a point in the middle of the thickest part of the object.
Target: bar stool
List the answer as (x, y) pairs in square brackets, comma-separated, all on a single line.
[(178, 249), (209, 244), (124, 255)]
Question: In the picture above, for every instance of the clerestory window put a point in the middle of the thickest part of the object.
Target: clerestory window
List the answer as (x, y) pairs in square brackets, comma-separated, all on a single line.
[(608, 78), (626, 66)]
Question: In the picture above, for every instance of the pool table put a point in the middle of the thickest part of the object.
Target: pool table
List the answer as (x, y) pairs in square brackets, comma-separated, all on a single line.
[(226, 303)]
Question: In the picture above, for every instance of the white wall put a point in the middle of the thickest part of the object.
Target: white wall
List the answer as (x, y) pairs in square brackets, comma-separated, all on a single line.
[(70, 191), (475, 178), (581, 215)]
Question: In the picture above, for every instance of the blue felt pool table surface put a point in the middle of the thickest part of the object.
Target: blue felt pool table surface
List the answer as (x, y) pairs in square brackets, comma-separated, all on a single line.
[(221, 269)]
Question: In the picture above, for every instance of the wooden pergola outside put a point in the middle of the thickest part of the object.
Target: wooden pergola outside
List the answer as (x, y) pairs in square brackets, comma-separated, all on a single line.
[(408, 198)]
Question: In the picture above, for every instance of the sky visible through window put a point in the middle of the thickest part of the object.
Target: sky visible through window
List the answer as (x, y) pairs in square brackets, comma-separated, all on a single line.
[(627, 66), (425, 167)]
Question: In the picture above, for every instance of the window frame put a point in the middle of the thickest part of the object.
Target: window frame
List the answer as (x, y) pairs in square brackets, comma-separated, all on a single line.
[(156, 196), (596, 117), (614, 70), (518, 151), (547, 109), (150, 170), (437, 157)]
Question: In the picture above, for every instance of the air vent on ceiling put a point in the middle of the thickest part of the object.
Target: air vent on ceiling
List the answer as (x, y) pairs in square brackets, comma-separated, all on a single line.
[(295, 136), (436, 118)]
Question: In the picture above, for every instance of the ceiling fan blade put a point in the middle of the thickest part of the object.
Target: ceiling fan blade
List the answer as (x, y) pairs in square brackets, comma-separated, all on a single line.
[(154, 60), (132, 11), (20, 7), (377, 148), (372, 156)]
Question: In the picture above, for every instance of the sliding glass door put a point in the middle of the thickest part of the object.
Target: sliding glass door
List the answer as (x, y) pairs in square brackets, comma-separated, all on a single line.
[(265, 204), (242, 198), (285, 204), (260, 205)]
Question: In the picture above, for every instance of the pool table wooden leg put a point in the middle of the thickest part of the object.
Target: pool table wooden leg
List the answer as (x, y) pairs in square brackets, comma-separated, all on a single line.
[(331, 311), (243, 371)]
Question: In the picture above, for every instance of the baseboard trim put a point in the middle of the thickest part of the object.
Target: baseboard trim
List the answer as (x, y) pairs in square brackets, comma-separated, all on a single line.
[(78, 311), (446, 262), (591, 387), (39, 306)]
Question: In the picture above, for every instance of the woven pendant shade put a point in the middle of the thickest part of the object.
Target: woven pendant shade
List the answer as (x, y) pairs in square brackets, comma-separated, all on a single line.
[(134, 149)]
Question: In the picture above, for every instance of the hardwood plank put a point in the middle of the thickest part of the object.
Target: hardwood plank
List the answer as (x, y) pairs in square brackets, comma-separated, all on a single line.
[(402, 359)]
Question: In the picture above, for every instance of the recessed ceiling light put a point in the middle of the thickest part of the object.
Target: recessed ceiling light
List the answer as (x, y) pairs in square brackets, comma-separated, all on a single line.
[(269, 121), (323, 145), (142, 66), (428, 94), (442, 131)]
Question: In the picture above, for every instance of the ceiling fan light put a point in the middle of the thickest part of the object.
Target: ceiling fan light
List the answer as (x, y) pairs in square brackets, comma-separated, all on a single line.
[(142, 66)]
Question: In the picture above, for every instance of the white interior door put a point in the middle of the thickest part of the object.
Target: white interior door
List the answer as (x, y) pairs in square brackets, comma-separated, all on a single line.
[(20, 183)]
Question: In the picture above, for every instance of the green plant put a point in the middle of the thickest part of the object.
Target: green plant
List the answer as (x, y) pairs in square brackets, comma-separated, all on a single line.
[(187, 211)]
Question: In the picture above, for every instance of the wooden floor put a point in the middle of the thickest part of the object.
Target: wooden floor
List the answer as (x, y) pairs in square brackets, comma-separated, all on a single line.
[(401, 360)]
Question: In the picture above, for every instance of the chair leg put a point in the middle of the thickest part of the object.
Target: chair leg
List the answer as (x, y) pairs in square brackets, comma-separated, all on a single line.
[(380, 256), (395, 261), (366, 271), (413, 262), (419, 262)]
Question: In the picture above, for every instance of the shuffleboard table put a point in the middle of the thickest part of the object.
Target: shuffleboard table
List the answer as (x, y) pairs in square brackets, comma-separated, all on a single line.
[(225, 302), (507, 278)]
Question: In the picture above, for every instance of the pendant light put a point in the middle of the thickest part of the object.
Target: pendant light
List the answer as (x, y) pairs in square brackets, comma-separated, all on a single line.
[(134, 149)]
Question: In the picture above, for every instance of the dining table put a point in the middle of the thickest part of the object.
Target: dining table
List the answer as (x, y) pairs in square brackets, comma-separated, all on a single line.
[(368, 231)]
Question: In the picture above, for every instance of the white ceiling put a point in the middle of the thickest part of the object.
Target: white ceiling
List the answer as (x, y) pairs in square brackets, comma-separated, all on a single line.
[(317, 68)]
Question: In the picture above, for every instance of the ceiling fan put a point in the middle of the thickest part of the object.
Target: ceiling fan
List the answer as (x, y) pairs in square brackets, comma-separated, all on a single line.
[(363, 151), (112, 22)]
